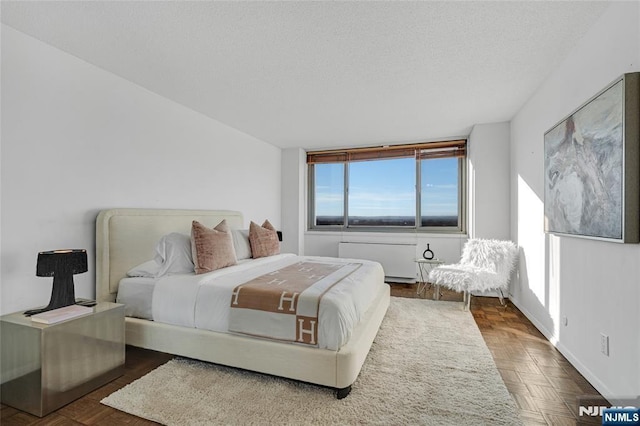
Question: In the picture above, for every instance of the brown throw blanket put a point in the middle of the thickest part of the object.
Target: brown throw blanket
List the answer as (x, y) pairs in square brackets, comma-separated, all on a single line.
[(284, 304)]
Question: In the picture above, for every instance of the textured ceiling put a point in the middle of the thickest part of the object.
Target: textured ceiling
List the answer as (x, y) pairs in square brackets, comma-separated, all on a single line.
[(323, 74)]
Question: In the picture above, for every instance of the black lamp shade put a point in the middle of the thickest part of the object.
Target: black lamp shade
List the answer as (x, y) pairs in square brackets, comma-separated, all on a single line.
[(61, 262), (61, 265)]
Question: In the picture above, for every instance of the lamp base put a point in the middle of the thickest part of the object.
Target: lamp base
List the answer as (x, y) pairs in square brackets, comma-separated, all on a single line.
[(62, 294), (81, 302), (37, 311)]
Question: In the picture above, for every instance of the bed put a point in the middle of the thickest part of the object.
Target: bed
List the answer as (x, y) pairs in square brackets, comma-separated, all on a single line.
[(127, 237)]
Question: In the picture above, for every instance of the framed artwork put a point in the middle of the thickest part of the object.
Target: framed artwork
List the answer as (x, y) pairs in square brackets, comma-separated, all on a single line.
[(591, 167)]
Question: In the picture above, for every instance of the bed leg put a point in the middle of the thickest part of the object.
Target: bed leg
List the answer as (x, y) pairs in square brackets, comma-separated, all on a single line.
[(342, 393)]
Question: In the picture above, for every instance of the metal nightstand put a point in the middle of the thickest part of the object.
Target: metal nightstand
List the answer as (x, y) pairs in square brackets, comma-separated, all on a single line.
[(46, 366)]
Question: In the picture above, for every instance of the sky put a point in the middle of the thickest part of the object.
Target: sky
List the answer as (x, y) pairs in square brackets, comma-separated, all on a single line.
[(387, 188)]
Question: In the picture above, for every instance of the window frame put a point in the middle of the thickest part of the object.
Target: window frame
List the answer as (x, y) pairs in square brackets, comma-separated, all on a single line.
[(345, 157)]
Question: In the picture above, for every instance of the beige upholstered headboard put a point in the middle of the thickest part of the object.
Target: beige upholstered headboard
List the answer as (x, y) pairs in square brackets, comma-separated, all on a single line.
[(127, 237)]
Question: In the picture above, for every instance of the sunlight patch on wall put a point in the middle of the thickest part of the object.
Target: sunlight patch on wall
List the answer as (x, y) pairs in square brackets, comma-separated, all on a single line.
[(553, 292), (531, 239)]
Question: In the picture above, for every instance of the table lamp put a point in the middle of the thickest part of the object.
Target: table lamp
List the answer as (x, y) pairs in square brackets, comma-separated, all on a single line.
[(61, 265)]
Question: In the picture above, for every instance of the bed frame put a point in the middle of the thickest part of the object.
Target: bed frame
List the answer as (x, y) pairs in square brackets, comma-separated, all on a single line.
[(127, 237)]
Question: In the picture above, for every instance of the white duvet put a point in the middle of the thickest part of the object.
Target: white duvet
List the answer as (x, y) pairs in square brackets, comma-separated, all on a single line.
[(203, 301)]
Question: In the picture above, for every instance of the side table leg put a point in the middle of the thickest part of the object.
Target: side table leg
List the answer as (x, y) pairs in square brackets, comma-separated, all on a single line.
[(436, 292), (467, 300)]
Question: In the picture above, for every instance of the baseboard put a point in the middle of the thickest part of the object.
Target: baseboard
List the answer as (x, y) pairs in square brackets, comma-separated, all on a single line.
[(487, 293), (573, 360), (400, 280)]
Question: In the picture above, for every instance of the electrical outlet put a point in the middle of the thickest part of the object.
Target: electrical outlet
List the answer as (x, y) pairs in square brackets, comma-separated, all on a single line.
[(565, 321), (604, 344)]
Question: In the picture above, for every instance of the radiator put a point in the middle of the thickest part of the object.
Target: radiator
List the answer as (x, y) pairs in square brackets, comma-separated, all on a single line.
[(398, 260)]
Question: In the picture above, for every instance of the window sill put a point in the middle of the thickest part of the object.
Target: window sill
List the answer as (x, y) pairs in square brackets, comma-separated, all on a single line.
[(385, 233)]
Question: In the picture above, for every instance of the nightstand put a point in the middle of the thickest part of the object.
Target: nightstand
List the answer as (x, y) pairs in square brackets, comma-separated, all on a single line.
[(46, 366)]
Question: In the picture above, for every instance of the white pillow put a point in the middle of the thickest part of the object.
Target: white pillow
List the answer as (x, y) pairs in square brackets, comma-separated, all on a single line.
[(148, 269), (173, 254), (241, 243)]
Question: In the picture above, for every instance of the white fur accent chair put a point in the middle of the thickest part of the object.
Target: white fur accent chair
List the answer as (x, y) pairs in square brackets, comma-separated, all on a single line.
[(485, 265)]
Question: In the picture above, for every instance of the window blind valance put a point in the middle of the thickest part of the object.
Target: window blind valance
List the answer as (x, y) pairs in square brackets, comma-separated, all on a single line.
[(427, 150)]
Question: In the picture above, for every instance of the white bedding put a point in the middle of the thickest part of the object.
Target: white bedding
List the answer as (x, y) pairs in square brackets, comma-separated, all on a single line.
[(203, 301), (136, 294)]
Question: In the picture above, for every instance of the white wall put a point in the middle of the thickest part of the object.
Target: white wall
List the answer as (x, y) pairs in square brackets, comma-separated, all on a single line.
[(489, 181), (293, 200), (595, 284), (77, 139)]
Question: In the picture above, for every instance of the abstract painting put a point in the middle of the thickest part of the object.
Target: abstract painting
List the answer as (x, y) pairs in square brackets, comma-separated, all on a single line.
[(591, 165)]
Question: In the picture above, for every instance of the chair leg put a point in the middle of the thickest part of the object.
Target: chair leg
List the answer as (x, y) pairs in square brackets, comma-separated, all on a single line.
[(501, 297), (466, 300)]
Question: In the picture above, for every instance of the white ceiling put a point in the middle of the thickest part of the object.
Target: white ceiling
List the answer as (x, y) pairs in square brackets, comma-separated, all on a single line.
[(323, 74)]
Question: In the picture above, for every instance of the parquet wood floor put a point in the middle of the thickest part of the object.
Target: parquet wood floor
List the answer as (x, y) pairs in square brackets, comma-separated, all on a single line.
[(542, 382)]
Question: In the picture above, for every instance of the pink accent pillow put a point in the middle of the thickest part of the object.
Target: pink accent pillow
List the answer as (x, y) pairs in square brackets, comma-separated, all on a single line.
[(212, 248), (263, 239)]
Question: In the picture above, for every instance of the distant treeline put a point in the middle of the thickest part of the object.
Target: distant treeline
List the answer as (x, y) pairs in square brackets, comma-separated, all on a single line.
[(387, 220)]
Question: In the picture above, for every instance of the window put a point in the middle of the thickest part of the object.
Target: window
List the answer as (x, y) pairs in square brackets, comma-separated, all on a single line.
[(440, 192), (329, 194), (402, 187), (382, 193)]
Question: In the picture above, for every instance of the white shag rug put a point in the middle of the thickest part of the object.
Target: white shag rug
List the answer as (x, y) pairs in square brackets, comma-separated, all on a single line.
[(428, 366)]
